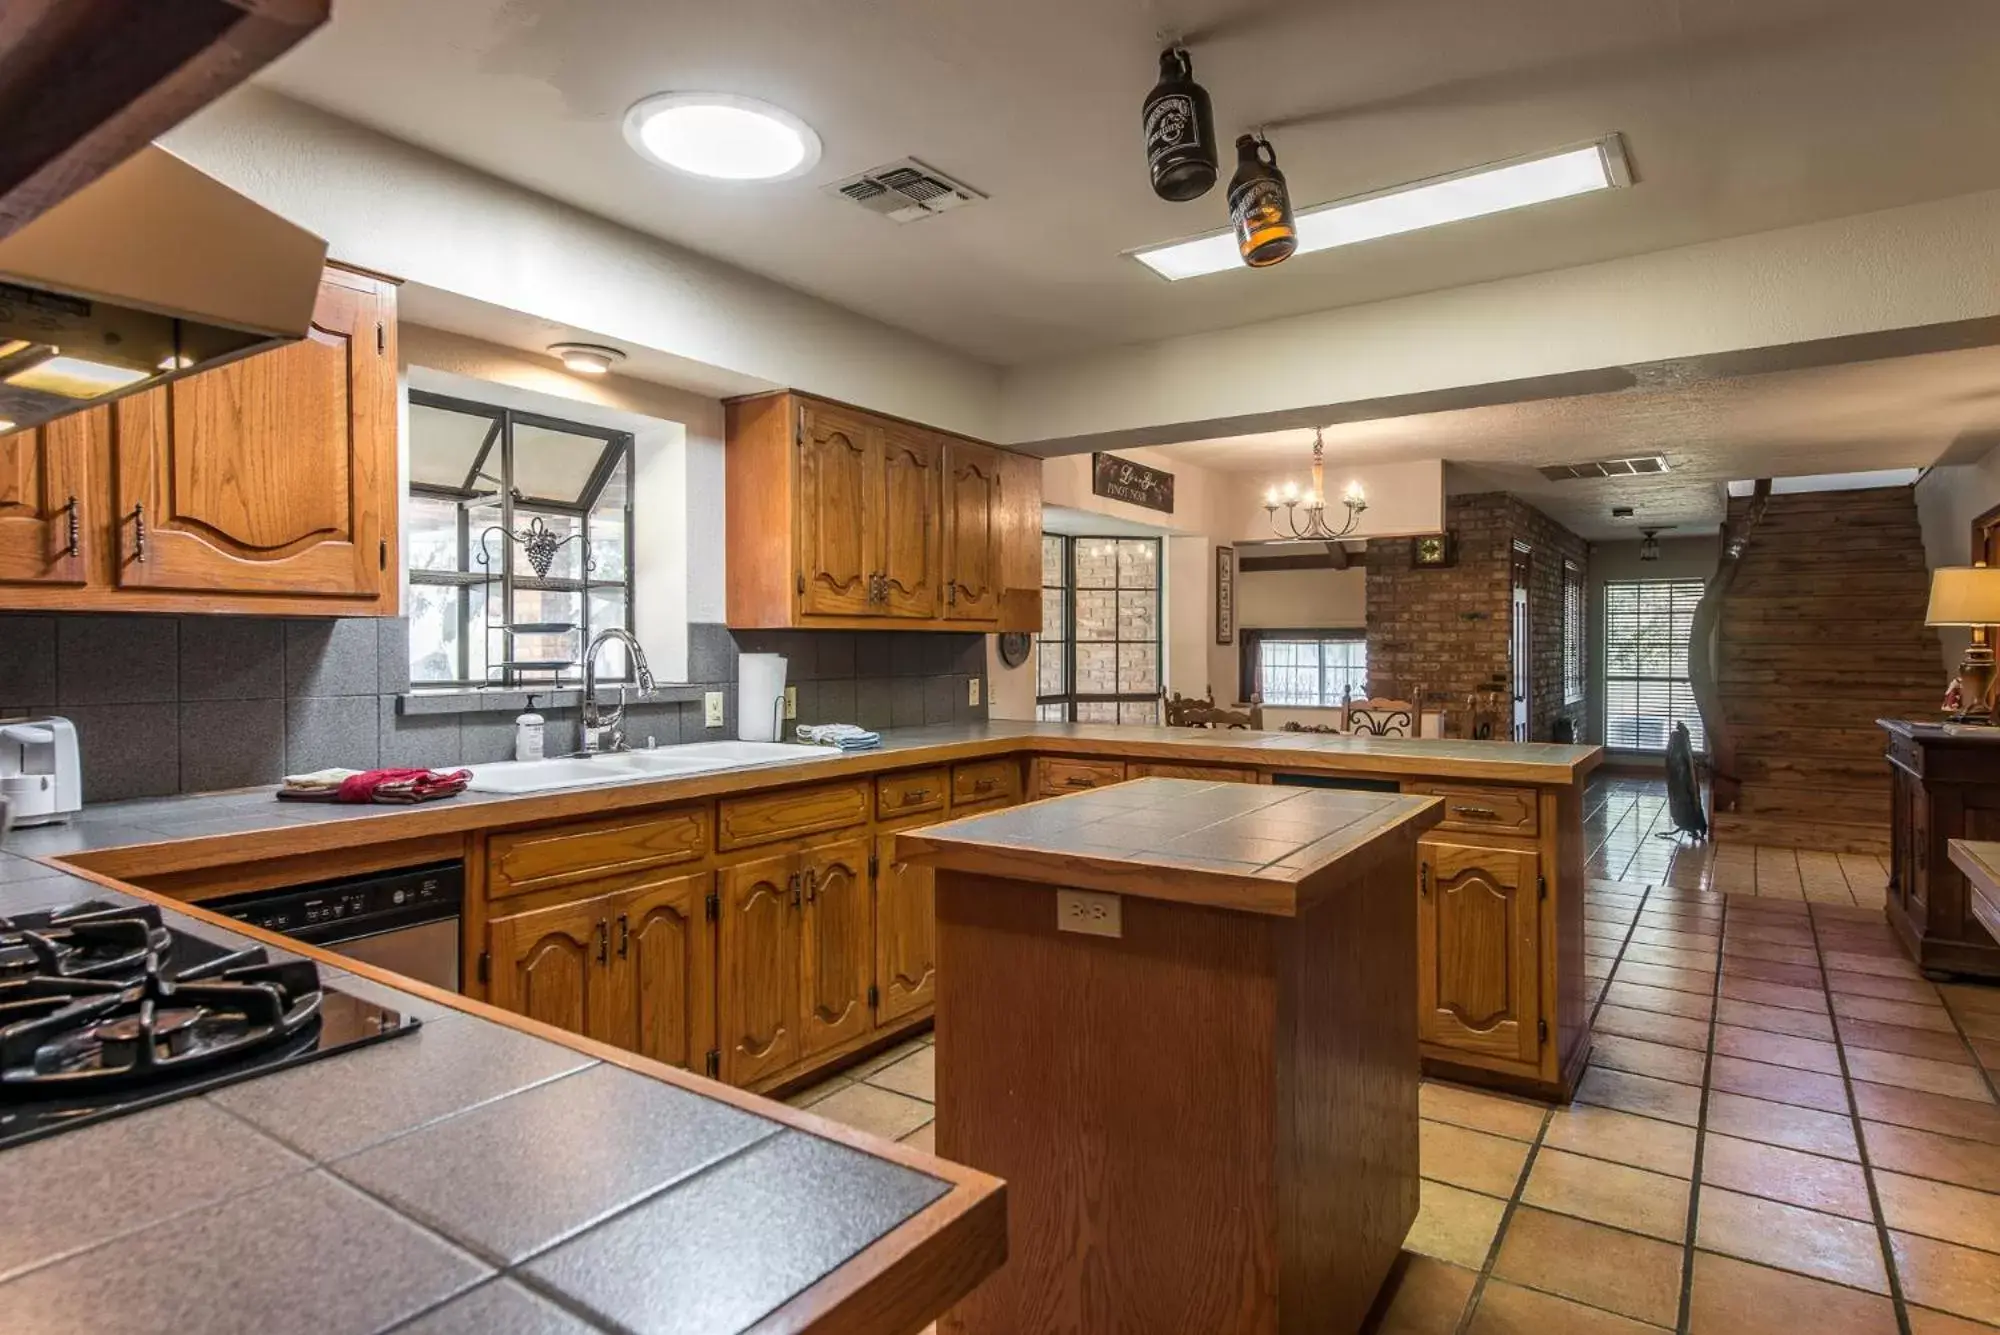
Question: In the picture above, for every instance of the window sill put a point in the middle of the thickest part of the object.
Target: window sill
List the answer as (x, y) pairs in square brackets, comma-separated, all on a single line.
[(514, 699)]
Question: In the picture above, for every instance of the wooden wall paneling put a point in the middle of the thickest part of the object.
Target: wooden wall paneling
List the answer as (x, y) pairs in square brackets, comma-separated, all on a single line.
[(972, 532), (837, 947), (663, 952), (48, 510), (757, 966), (911, 522), (275, 474), (839, 516)]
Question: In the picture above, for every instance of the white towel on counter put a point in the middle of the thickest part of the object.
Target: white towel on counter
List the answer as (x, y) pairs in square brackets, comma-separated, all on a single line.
[(846, 736)]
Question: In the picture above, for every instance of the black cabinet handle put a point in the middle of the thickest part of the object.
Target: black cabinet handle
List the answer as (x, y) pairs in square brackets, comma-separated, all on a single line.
[(72, 530), (792, 883), (624, 936), (812, 886), (139, 532), (1476, 813), (1424, 879), (603, 942)]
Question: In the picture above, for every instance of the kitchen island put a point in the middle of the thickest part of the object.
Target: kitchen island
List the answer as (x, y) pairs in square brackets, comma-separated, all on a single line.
[(1179, 1018)]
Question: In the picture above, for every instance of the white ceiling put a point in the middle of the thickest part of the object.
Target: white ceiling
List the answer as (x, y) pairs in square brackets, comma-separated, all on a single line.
[(1738, 117), (1941, 407)]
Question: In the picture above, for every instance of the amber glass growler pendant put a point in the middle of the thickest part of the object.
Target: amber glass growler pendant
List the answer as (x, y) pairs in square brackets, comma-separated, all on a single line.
[(1260, 208), (1180, 131)]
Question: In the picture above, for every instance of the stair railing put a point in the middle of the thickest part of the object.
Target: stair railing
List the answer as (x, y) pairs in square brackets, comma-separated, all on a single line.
[(1725, 786)]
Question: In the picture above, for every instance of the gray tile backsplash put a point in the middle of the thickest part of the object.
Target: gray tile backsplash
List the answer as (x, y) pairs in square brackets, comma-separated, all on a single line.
[(167, 705)]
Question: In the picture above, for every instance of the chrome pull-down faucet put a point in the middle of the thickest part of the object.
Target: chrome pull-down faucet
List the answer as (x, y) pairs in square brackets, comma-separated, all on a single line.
[(601, 730)]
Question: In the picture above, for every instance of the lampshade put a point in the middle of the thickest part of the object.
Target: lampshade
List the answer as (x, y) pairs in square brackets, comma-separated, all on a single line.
[(1964, 596)]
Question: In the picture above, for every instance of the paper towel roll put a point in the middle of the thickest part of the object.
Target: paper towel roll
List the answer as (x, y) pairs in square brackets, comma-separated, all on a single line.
[(760, 696)]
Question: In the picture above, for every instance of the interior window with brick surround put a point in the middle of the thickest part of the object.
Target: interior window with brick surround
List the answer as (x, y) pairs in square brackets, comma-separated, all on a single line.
[(1097, 658)]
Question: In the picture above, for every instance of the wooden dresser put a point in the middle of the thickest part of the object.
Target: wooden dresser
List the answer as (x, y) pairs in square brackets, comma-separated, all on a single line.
[(1945, 788)]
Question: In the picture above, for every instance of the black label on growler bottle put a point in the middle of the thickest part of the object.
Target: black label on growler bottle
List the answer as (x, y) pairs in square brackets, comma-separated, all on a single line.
[(1170, 125)]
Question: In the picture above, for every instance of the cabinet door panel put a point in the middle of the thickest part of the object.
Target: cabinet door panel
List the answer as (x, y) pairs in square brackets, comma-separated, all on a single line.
[(840, 467), (838, 952), (45, 500), (663, 956), (912, 488), (1479, 972), (274, 474), (758, 963), (551, 965), (972, 533), (905, 933)]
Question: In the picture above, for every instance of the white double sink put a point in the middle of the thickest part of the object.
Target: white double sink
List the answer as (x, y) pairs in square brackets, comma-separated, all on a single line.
[(666, 762)]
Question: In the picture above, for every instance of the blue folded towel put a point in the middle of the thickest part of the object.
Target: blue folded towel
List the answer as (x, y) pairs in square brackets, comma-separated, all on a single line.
[(845, 736)]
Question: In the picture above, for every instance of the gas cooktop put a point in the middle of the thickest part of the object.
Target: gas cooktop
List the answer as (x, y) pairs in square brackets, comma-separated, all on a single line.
[(105, 1009)]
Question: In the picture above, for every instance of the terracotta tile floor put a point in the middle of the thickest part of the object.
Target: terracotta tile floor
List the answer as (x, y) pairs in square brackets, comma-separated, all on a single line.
[(1808, 1148)]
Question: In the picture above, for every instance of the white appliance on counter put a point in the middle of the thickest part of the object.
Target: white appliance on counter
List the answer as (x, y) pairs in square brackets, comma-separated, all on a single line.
[(40, 775)]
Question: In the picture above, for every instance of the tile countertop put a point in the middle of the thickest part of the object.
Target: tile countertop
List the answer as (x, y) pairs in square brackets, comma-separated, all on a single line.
[(465, 1178), (224, 828), (1250, 847)]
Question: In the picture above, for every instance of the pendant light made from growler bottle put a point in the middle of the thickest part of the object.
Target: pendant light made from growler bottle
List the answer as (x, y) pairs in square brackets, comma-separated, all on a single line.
[(1260, 207), (1180, 131)]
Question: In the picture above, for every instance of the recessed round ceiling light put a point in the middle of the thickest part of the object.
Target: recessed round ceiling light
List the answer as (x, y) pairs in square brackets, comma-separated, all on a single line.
[(586, 358), (721, 136)]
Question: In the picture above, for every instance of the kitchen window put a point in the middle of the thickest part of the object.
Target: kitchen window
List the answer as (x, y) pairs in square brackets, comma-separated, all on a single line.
[(1647, 626), (1311, 668), (1097, 659), (480, 610), (1573, 634)]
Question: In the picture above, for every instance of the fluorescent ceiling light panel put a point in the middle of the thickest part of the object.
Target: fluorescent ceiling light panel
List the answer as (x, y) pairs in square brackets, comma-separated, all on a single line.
[(76, 377), (1411, 208)]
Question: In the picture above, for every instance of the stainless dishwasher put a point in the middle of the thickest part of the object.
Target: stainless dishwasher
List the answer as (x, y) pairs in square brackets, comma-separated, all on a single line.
[(404, 921)]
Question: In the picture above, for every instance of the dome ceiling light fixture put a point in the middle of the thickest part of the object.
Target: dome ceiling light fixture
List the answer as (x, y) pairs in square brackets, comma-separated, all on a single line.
[(586, 358), (721, 137)]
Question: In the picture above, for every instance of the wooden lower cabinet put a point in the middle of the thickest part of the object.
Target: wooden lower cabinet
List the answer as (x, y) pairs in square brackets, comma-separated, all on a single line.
[(757, 966), (905, 934), (1479, 950), (836, 947), (629, 966)]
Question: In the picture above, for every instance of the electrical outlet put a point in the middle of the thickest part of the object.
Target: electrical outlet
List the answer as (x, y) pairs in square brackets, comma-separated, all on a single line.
[(791, 702), (711, 702), (1089, 912), (972, 691)]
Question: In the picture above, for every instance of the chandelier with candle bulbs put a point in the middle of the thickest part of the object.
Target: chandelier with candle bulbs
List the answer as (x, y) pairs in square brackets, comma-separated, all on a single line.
[(1305, 516)]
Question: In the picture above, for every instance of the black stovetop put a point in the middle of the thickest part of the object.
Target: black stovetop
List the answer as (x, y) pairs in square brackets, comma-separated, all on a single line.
[(105, 1009)]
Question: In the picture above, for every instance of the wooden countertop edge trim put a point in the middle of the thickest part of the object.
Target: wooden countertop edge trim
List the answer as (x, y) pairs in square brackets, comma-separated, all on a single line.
[(962, 1233), (164, 855), (1984, 875)]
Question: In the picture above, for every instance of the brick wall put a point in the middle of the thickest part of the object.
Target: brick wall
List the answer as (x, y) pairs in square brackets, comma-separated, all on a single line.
[(1446, 632)]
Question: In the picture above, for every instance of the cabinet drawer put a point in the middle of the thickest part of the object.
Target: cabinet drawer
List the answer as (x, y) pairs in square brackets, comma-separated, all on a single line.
[(985, 781), (1056, 777), (534, 859), (1152, 769), (1484, 810), (759, 819), (910, 792)]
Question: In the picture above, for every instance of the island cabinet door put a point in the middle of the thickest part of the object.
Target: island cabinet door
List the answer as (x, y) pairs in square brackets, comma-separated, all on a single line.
[(275, 474), (972, 518), (1478, 954), (912, 523), (837, 957), (905, 933), (757, 962), (554, 965), (662, 955), (839, 517)]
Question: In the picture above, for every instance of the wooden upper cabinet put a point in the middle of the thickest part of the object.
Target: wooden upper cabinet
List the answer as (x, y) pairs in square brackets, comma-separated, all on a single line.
[(662, 960), (273, 475), (910, 523), (840, 470), (1478, 949), (837, 948), (46, 510), (757, 954), (972, 532), (905, 933), (841, 518), (552, 965)]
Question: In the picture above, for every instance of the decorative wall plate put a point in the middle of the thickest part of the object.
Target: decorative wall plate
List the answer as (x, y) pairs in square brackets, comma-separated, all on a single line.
[(1014, 647)]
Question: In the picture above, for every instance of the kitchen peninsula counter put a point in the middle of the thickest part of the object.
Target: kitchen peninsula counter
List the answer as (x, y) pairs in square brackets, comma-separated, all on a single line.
[(1180, 1019)]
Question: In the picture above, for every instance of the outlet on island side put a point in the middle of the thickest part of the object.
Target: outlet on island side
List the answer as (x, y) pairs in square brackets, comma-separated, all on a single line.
[(712, 703), (1090, 912)]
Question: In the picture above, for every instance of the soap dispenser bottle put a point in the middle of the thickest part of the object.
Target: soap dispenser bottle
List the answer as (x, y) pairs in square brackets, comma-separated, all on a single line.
[(528, 733)]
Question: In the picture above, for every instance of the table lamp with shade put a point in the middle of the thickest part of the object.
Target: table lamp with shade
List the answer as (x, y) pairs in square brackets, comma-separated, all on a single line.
[(1969, 596)]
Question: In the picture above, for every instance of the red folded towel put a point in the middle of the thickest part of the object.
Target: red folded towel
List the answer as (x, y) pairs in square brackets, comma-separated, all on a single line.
[(402, 785)]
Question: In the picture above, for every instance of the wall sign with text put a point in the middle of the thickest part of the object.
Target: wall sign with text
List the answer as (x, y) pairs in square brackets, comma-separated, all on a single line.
[(1225, 595), (1135, 484)]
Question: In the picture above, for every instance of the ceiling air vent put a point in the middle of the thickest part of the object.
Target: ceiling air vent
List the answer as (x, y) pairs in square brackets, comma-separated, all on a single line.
[(1646, 463), (905, 191)]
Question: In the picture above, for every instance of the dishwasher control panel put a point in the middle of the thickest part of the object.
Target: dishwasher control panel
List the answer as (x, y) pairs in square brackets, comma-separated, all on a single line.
[(354, 907)]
